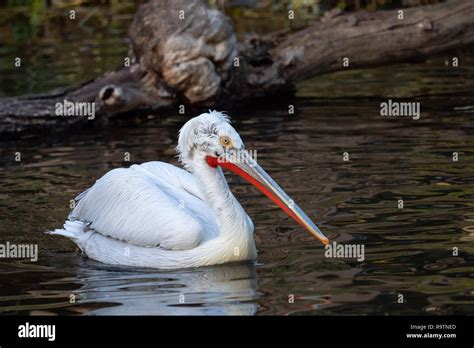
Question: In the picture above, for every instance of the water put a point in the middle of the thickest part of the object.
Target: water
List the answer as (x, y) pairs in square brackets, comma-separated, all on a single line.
[(407, 251)]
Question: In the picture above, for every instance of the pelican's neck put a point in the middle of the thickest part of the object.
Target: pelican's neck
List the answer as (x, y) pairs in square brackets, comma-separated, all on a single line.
[(230, 214)]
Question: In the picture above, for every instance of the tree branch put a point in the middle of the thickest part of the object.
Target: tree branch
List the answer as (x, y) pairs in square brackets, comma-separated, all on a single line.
[(191, 58)]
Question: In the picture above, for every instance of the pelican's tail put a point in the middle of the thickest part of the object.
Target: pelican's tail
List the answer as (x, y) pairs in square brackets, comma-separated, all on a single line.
[(77, 231)]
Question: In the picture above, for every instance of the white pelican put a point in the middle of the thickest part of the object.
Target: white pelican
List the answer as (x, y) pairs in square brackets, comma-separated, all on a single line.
[(160, 216)]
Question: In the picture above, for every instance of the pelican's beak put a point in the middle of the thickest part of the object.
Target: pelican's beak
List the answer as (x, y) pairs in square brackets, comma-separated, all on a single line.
[(242, 164)]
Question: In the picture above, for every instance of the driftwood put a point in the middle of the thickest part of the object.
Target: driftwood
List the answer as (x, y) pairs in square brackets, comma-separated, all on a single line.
[(183, 52)]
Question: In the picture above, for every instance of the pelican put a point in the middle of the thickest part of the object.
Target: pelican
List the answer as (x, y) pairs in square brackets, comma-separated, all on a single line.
[(161, 216)]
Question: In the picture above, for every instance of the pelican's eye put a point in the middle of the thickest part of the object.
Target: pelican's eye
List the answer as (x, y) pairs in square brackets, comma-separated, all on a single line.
[(225, 140)]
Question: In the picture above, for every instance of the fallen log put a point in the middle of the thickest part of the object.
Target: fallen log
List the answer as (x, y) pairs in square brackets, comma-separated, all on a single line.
[(184, 52)]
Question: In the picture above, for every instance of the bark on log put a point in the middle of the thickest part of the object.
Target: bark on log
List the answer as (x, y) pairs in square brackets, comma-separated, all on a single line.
[(183, 52)]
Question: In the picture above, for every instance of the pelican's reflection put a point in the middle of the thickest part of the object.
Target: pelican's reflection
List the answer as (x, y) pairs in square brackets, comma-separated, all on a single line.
[(229, 289)]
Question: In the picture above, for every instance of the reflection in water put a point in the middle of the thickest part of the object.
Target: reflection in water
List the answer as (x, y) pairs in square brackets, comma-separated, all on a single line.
[(223, 290), (73, 285)]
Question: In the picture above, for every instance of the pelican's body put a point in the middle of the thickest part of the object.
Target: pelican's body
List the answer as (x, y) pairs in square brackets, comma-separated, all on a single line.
[(157, 215)]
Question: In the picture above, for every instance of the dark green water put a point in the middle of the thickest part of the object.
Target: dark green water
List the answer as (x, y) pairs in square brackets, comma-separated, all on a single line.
[(407, 251)]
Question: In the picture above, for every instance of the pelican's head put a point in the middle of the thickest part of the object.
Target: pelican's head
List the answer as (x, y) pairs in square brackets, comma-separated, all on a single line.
[(210, 139), (209, 134)]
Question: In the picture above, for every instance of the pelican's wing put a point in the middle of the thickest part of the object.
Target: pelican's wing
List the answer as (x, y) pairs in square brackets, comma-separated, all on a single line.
[(153, 204)]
